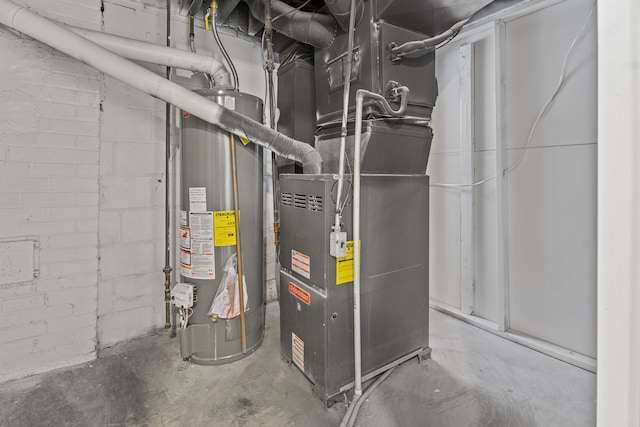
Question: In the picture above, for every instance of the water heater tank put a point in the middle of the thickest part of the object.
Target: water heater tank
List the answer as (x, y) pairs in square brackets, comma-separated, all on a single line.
[(208, 239)]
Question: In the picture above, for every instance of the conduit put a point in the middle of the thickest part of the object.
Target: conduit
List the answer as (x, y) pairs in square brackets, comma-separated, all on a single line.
[(346, 78), (156, 54), (167, 207), (404, 49), (361, 94), (21, 19), (315, 29)]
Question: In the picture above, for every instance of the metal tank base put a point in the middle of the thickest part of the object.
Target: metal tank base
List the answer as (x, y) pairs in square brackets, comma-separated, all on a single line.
[(217, 343)]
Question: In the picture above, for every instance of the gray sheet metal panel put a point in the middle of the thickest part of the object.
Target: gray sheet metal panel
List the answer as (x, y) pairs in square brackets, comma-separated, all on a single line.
[(387, 146), (206, 162), (297, 101), (373, 69), (394, 279)]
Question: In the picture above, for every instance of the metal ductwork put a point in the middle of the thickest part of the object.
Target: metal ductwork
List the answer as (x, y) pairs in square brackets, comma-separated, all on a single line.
[(21, 19), (340, 10), (315, 29)]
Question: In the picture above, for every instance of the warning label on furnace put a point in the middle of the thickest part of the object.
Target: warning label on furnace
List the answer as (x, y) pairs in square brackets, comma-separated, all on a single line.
[(344, 266), (225, 228), (297, 351), (301, 264)]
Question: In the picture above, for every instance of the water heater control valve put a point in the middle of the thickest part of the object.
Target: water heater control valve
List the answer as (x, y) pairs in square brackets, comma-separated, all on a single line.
[(182, 295)]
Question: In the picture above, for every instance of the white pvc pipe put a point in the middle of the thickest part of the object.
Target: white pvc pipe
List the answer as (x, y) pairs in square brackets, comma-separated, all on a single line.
[(403, 92), (357, 341), (70, 43), (156, 54)]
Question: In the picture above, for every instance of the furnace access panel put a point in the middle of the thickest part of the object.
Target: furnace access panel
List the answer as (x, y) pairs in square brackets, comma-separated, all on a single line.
[(316, 290)]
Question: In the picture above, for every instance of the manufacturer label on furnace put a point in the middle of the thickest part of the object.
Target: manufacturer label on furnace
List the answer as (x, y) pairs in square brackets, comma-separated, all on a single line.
[(302, 295)]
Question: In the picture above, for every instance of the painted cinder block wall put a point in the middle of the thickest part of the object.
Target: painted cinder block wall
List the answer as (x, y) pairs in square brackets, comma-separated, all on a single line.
[(49, 182), (82, 171)]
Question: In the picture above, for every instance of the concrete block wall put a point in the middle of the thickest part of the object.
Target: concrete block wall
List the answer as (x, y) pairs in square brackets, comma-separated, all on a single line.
[(82, 170), (49, 151), (132, 182)]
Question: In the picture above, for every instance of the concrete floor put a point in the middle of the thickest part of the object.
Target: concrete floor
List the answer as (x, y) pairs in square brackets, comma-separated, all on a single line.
[(473, 379)]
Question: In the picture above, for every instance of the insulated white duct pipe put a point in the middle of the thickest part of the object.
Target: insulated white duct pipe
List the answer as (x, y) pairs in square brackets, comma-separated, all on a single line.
[(66, 41), (156, 54)]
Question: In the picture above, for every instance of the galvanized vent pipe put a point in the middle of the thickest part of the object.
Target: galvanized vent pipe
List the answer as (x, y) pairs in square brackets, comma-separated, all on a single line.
[(21, 19), (161, 55)]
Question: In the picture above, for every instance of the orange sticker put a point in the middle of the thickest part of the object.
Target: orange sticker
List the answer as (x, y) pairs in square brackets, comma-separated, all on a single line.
[(300, 294), (186, 114)]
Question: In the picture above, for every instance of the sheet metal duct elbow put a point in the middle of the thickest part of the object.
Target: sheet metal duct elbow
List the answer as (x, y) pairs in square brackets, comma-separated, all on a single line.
[(315, 29), (46, 31)]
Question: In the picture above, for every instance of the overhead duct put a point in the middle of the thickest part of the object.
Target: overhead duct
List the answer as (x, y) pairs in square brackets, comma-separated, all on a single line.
[(340, 10), (161, 55), (66, 41), (315, 29)]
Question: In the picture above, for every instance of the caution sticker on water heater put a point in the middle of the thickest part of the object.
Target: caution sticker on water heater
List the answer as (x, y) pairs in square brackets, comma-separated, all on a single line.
[(225, 228)]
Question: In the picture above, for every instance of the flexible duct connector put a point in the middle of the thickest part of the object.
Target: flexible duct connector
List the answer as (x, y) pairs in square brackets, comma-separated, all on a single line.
[(315, 29), (66, 41), (161, 55), (340, 9)]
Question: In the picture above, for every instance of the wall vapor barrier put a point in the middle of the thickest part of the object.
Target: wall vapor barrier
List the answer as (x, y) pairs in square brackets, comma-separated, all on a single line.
[(66, 41)]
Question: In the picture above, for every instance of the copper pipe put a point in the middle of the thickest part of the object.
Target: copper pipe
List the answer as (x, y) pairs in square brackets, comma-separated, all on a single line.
[(234, 175)]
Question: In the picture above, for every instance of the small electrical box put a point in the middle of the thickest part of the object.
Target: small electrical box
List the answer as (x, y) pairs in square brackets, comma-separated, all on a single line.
[(338, 244), (182, 295)]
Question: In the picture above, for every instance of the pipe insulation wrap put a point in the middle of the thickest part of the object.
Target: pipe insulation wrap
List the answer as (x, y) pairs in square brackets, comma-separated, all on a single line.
[(156, 54), (66, 41), (315, 29)]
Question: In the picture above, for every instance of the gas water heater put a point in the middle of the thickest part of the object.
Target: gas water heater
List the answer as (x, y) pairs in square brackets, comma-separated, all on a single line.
[(210, 329)]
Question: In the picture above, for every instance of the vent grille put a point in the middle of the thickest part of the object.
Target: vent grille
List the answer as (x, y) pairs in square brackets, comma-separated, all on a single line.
[(287, 199), (315, 203), (300, 201)]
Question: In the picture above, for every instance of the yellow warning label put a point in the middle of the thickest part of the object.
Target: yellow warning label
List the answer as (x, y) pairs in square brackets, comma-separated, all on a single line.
[(244, 140), (224, 223), (344, 266)]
